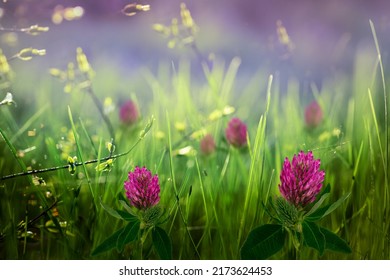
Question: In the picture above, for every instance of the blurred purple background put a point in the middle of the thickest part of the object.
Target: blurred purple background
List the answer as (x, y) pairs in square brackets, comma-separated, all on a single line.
[(325, 34)]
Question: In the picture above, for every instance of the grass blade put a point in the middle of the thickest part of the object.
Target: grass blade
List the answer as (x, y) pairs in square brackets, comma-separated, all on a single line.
[(79, 151)]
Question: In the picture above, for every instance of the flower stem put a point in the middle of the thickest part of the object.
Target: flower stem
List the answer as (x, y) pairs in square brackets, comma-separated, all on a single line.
[(55, 168)]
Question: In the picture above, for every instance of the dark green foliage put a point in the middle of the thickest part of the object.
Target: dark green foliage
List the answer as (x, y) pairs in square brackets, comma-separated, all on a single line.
[(335, 243), (162, 243), (313, 236), (119, 238), (263, 242)]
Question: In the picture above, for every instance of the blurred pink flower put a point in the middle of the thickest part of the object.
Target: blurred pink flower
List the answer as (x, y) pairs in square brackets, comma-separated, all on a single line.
[(236, 132), (301, 180), (142, 189), (128, 112), (313, 115), (207, 145)]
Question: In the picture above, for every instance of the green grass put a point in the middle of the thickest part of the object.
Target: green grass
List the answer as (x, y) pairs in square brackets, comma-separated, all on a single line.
[(213, 201)]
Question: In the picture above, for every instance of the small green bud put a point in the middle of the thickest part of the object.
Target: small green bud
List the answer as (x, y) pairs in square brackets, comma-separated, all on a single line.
[(55, 72), (283, 36), (180, 126), (132, 9), (198, 134), (70, 72), (68, 87), (39, 52), (27, 234), (82, 61), (35, 29), (38, 181), (147, 128), (29, 53), (186, 151), (50, 226), (72, 164), (287, 213), (215, 115), (158, 27), (227, 110), (4, 66), (162, 29), (152, 215), (105, 166), (110, 147), (171, 43), (175, 27), (186, 17), (108, 105), (188, 40)]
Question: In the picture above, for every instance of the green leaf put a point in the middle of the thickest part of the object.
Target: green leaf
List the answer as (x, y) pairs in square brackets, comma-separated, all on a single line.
[(313, 236), (326, 210), (335, 205), (317, 204), (324, 190), (162, 243), (127, 208), (324, 193), (335, 243), (125, 203), (108, 244), (129, 233), (110, 211), (126, 215), (121, 197), (262, 242), (318, 214), (119, 214)]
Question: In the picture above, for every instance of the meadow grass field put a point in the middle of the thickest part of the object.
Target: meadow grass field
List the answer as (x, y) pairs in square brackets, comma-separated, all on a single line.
[(75, 153)]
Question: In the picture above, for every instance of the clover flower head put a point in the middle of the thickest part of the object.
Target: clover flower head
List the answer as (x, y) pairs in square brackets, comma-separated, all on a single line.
[(236, 132), (313, 115), (301, 180), (142, 189), (128, 112), (207, 145)]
